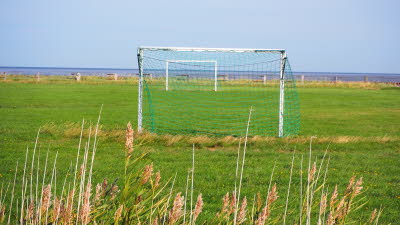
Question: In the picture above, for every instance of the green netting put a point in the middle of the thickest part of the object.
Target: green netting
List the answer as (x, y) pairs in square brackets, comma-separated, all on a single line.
[(211, 92)]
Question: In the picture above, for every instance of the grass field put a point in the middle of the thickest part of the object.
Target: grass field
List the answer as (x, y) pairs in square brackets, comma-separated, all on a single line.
[(360, 127)]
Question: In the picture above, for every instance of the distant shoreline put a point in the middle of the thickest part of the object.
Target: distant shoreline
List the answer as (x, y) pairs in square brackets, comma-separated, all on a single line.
[(19, 69)]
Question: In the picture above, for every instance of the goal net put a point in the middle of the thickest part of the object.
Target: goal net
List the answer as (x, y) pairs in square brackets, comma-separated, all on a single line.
[(211, 90)]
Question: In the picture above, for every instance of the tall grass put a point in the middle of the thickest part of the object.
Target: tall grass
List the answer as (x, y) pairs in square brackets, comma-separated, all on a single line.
[(145, 198)]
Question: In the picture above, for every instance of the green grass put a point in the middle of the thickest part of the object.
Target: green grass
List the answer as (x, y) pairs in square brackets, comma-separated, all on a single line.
[(353, 122)]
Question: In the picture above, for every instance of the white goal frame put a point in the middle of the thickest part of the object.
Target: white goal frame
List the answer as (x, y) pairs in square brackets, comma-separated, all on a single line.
[(192, 61), (282, 52)]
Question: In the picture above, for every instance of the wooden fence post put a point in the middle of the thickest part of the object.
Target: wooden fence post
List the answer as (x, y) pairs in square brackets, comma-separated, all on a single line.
[(365, 78), (302, 79), (5, 75), (37, 76)]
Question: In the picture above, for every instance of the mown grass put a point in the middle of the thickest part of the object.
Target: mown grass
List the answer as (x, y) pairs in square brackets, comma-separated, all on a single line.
[(360, 126)]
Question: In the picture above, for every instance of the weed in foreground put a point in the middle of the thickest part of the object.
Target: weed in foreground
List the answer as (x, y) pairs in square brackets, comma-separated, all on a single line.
[(144, 198)]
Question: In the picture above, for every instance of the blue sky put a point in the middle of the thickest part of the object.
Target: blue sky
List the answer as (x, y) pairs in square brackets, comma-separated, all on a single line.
[(331, 36)]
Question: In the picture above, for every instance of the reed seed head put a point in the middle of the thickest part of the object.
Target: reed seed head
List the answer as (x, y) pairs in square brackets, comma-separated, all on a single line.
[(198, 208), (373, 216), (157, 179), (129, 140), (46, 198), (118, 213), (242, 212), (176, 211), (147, 173)]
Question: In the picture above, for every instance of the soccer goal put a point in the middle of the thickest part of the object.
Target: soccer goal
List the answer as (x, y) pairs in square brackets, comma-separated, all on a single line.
[(210, 91)]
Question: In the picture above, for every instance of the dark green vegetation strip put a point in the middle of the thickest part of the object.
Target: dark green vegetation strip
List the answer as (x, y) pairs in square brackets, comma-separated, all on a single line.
[(370, 117)]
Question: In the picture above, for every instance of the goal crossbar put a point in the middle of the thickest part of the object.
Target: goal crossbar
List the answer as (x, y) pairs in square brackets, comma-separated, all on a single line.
[(154, 48)]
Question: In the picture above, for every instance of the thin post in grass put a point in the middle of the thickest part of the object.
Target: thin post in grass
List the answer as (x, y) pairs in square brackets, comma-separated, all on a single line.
[(3, 196), (270, 183), (301, 189), (53, 174), (169, 198), (77, 163), (32, 166), (308, 222), (288, 192), (37, 179), (237, 167), (43, 180), (23, 186), (12, 195), (95, 144), (243, 160), (83, 176), (191, 192), (186, 193)]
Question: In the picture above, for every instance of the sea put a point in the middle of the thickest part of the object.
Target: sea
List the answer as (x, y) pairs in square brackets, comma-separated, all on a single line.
[(318, 76)]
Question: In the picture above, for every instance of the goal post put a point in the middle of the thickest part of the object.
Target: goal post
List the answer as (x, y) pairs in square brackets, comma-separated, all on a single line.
[(182, 94)]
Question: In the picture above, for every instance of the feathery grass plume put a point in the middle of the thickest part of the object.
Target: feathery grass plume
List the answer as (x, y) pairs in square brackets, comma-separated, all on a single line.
[(273, 195), (322, 208), (242, 212), (265, 213), (176, 211), (30, 212), (99, 193), (259, 201), (147, 174), (46, 198), (118, 214), (85, 211), (56, 208), (157, 179), (155, 222), (358, 187), (129, 140), (311, 175), (373, 216), (232, 205), (333, 198), (349, 187), (330, 220), (104, 184), (198, 208), (68, 214), (225, 207), (341, 209), (114, 191)]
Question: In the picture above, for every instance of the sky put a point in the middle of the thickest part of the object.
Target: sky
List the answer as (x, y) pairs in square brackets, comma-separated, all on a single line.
[(318, 35)]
